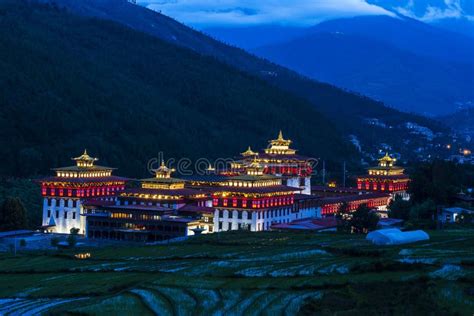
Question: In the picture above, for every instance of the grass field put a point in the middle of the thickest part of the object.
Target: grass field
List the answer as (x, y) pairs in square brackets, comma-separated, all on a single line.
[(236, 273)]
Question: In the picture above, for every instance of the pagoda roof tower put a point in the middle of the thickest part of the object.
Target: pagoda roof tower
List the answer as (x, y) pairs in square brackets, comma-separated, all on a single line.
[(280, 146), (249, 152), (386, 167), (163, 179), (84, 168)]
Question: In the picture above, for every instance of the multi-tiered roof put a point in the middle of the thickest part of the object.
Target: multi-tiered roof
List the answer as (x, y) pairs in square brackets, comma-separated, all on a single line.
[(85, 179), (386, 167), (277, 159), (84, 168), (384, 177), (163, 187), (279, 146)]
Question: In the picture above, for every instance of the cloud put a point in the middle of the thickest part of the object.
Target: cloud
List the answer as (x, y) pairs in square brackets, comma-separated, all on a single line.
[(202, 13), (452, 9)]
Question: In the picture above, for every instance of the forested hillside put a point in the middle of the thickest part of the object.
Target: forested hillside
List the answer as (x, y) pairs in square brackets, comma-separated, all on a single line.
[(347, 111), (69, 82)]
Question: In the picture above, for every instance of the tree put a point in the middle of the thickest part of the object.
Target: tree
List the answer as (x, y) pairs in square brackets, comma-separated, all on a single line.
[(72, 238), (363, 219), (74, 231), (423, 211), (439, 181), (13, 214), (399, 208), (342, 217)]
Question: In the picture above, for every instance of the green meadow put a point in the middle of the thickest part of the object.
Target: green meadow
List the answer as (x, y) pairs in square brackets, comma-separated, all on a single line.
[(269, 273)]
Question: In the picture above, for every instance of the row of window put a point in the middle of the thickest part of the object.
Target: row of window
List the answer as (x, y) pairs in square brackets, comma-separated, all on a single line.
[(70, 203), (143, 217), (113, 224), (73, 214), (382, 186), (260, 226), (260, 215), (109, 190), (133, 202), (239, 226), (244, 203)]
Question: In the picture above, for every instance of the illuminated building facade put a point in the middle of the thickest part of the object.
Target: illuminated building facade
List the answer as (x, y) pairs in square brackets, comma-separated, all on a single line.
[(258, 191), (386, 177), (330, 206), (161, 209), (255, 200), (64, 193), (280, 160)]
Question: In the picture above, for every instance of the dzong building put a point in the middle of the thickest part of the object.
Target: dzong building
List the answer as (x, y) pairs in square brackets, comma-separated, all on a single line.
[(65, 193)]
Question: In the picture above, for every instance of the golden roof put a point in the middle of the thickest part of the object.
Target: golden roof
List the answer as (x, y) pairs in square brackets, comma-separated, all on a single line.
[(163, 171), (387, 158), (280, 141), (85, 160), (280, 146), (387, 163), (249, 152), (210, 168)]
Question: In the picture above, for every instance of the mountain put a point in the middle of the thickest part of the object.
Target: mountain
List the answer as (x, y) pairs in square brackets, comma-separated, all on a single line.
[(454, 15), (348, 112), (461, 121), (406, 34), (377, 69), (463, 25), (69, 83), (251, 37)]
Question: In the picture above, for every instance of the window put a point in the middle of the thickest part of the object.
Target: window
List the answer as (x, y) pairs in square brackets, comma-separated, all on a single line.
[(49, 213), (73, 215), (65, 215), (57, 214)]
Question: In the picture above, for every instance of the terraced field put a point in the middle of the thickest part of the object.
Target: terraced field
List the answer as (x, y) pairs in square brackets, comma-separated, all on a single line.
[(245, 273)]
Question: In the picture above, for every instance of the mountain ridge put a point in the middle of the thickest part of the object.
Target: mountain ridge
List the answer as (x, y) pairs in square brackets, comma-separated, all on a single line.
[(378, 70), (75, 82), (348, 111)]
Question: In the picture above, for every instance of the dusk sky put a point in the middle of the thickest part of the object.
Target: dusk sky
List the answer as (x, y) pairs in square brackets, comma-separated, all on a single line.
[(208, 13), (202, 13)]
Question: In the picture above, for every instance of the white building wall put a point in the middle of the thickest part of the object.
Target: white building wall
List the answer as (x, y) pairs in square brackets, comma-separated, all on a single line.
[(307, 186), (403, 194), (64, 213), (296, 183), (310, 212), (293, 182), (252, 220)]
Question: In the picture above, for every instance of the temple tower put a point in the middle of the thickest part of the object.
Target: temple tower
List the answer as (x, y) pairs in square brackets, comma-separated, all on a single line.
[(65, 193)]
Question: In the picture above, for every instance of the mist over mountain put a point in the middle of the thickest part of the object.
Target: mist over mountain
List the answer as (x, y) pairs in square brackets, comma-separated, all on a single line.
[(452, 15), (400, 62), (127, 82), (69, 82), (406, 34)]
